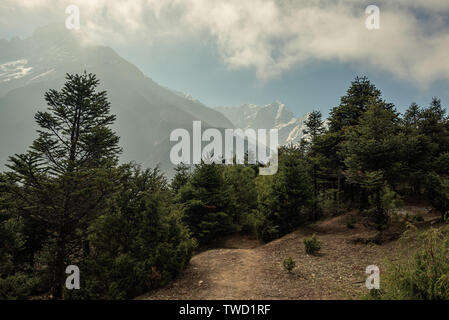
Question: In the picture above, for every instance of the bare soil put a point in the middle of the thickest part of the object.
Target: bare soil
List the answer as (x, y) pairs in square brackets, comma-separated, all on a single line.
[(247, 269)]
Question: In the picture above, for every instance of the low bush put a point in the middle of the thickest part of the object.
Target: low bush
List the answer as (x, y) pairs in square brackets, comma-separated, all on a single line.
[(437, 190), (424, 275), (312, 245), (18, 286), (138, 246), (289, 264)]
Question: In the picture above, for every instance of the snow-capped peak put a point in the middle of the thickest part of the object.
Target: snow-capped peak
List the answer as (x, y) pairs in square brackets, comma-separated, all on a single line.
[(275, 115)]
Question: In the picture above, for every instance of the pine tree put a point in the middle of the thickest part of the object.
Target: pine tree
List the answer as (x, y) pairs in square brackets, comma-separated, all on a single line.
[(359, 96), (329, 148), (139, 244), (181, 177), (241, 181), (207, 203), (412, 116), (67, 177), (314, 124), (418, 150), (433, 123), (289, 196), (314, 128), (373, 154)]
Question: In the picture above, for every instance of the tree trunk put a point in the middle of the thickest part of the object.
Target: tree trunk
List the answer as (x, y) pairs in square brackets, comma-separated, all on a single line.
[(58, 281)]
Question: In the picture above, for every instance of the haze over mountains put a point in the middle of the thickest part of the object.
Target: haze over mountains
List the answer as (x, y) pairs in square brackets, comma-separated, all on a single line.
[(272, 116), (146, 112)]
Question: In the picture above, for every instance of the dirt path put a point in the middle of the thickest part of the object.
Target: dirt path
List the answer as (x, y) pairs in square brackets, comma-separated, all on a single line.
[(227, 273), (246, 269)]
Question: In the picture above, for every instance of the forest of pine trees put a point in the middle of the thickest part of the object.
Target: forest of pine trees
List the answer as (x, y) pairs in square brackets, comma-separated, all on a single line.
[(68, 201)]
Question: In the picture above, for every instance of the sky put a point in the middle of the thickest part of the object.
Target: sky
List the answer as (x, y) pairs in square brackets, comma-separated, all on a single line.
[(303, 53)]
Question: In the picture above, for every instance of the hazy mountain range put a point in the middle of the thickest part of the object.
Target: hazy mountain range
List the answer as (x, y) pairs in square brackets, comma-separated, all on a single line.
[(146, 112)]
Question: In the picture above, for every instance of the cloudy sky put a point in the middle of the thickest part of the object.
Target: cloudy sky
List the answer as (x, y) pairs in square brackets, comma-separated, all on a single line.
[(301, 52)]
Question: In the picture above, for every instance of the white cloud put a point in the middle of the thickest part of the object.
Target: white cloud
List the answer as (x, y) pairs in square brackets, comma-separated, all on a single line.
[(272, 36)]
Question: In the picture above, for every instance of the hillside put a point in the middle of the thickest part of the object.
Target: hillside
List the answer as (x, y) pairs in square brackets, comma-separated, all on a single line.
[(146, 111), (244, 268)]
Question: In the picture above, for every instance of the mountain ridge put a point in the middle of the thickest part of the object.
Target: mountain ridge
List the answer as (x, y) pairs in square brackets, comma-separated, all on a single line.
[(270, 116), (146, 111)]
